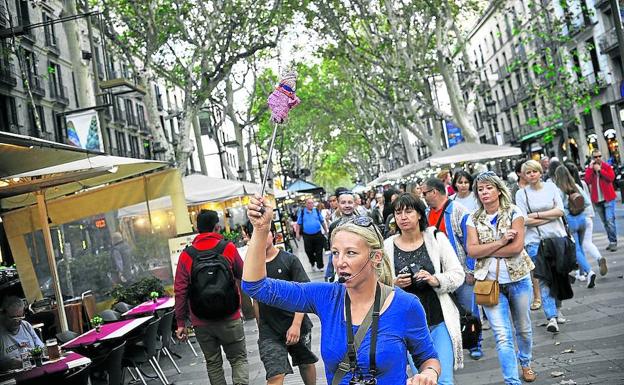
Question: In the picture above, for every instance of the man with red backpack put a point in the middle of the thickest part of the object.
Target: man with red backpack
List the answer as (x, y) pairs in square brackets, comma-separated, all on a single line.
[(206, 291)]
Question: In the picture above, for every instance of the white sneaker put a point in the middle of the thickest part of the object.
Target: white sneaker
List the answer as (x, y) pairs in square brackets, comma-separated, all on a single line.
[(560, 318), (591, 280), (552, 326), (580, 277)]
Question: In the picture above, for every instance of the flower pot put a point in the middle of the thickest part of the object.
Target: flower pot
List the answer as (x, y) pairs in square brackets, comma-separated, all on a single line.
[(38, 361), (155, 299), (98, 328)]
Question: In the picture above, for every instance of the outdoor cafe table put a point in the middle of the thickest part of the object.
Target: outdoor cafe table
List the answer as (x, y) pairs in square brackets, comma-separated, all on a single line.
[(69, 361), (150, 306), (107, 332)]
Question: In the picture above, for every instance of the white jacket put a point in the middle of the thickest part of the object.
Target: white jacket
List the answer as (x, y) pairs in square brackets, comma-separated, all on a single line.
[(450, 274)]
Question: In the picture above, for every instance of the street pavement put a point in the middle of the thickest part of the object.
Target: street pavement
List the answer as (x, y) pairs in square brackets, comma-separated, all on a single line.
[(589, 349)]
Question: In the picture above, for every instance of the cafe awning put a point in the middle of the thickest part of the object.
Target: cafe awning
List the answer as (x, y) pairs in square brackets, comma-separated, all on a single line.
[(541, 132)]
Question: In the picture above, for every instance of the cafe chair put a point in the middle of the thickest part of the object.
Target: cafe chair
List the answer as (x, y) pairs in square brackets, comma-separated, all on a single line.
[(66, 336), (110, 316), (88, 306), (78, 377), (164, 335), (122, 307), (144, 351), (110, 364)]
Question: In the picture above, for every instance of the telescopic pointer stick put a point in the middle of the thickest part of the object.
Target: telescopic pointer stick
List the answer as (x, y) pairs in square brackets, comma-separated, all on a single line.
[(268, 165)]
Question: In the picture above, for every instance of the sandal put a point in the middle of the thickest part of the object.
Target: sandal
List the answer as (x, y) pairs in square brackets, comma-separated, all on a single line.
[(528, 375), (536, 304)]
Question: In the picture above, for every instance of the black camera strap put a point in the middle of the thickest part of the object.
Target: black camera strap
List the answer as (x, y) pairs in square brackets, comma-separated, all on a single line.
[(349, 361)]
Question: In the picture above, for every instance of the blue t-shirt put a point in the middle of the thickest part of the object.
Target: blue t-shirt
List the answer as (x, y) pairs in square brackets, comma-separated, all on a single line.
[(310, 222), (398, 332)]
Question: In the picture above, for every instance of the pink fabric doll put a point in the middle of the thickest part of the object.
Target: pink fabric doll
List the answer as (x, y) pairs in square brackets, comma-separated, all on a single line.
[(283, 99)]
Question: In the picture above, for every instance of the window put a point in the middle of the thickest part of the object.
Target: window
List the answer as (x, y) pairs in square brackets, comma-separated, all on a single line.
[(50, 35), (588, 121), (23, 15), (56, 80), (130, 117), (493, 41), (122, 147), (607, 120), (32, 129), (158, 95), (591, 47), (134, 147), (8, 114), (141, 117)]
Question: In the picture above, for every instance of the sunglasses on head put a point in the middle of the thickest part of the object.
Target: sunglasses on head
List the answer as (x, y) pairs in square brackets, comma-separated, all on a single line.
[(367, 222), (485, 174)]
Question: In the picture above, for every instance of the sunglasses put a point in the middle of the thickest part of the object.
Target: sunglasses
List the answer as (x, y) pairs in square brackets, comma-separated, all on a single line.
[(367, 222), (597, 156), (425, 192), (485, 174)]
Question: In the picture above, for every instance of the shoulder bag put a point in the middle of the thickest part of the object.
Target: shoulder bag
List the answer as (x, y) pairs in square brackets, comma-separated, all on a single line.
[(487, 291)]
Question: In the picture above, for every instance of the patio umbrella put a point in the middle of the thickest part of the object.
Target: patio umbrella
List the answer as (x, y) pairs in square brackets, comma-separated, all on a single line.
[(34, 186)]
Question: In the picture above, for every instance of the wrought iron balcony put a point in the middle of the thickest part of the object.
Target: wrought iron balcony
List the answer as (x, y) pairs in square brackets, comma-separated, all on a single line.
[(595, 82), (36, 85), (59, 94), (608, 41), (523, 92), (7, 74)]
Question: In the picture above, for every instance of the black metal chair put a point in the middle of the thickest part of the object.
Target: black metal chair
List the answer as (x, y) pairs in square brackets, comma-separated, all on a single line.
[(144, 351), (164, 334), (122, 307), (66, 336), (78, 377), (110, 316), (110, 365)]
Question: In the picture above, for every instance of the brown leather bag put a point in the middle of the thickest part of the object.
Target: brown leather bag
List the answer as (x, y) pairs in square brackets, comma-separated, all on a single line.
[(487, 291)]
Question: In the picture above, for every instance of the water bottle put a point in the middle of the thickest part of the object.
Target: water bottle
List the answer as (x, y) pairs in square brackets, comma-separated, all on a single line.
[(25, 357)]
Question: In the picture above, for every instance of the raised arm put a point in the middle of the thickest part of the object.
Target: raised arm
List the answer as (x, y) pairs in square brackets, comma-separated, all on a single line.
[(254, 268)]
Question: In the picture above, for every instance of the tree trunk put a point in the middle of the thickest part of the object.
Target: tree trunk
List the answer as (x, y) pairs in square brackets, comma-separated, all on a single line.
[(153, 119)]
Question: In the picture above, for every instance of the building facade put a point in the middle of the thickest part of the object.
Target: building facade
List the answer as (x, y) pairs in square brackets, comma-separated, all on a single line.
[(508, 108), (70, 67)]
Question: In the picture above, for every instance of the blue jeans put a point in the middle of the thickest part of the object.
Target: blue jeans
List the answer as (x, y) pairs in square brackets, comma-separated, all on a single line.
[(549, 303), (512, 312), (329, 270), (465, 297), (444, 346), (606, 211), (576, 223)]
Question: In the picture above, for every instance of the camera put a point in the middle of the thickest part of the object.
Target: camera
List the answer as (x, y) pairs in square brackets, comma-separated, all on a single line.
[(412, 269), (361, 380)]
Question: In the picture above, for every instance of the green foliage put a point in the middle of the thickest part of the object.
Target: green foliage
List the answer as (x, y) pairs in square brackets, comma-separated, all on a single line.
[(37, 351), (138, 292), (89, 272), (97, 321)]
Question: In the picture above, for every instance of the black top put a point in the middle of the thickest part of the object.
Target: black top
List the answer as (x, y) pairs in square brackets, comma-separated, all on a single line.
[(419, 260), (276, 322)]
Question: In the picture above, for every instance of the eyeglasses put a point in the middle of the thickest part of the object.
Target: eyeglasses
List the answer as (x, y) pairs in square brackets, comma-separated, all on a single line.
[(366, 222), (17, 319), (425, 192)]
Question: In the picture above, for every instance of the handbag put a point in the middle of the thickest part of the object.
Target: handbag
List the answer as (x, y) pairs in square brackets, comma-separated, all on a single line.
[(469, 324), (487, 291)]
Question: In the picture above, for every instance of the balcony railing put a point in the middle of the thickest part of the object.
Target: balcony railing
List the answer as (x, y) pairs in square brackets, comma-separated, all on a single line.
[(59, 94), (595, 81), (523, 93), (7, 75), (36, 85), (608, 41)]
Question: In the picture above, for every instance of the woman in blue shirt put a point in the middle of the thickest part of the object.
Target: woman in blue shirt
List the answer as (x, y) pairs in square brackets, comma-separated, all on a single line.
[(359, 260)]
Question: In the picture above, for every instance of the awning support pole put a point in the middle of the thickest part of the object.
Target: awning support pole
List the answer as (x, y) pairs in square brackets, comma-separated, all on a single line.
[(47, 237)]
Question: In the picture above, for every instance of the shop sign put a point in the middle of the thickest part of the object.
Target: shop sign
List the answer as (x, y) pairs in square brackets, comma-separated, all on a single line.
[(100, 223)]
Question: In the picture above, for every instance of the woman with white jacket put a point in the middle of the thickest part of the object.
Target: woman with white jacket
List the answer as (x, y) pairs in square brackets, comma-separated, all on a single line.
[(425, 264)]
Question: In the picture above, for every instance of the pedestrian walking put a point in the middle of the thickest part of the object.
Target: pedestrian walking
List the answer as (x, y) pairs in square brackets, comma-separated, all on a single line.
[(311, 226), (377, 354), (599, 176), (426, 265), (542, 205), (206, 291), (462, 184), (121, 255), (574, 203), (588, 243), (345, 212), (282, 333), (450, 218), (496, 240)]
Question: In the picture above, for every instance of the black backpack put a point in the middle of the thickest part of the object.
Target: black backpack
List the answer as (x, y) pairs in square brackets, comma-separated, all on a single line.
[(212, 294)]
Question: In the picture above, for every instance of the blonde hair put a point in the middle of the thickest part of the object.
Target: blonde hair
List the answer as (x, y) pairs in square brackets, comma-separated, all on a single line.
[(533, 165), (493, 179), (375, 243)]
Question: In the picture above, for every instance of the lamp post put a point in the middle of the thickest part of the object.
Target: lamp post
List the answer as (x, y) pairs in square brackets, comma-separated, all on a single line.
[(490, 107)]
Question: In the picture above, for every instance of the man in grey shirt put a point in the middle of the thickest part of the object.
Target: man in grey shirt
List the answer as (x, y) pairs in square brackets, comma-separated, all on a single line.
[(15, 333)]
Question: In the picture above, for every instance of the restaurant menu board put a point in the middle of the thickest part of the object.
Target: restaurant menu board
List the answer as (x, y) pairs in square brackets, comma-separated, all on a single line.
[(176, 246)]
